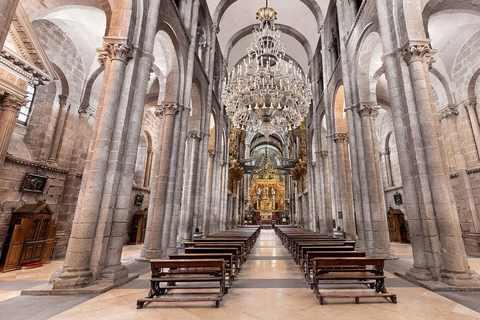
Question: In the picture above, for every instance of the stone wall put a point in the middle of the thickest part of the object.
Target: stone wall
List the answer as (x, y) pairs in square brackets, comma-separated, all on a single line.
[(11, 198)]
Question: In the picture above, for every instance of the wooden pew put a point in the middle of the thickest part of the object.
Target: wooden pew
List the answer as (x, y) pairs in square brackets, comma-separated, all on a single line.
[(237, 261), (297, 250), (311, 255), (244, 240), (238, 245), (360, 269), (305, 249), (189, 273), (230, 270)]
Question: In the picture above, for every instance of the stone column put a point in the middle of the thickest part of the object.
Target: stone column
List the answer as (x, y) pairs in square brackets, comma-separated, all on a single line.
[(60, 127), (471, 106), (7, 11), (447, 118), (189, 197), (9, 108), (453, 268), (388, 166), (208, 196), (148, 168), (345, 184), (153, 243), (77, 270), (381, 241), (328, 196)]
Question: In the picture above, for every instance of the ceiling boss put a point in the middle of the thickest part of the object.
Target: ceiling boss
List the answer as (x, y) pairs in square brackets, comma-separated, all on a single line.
[(263, 94)]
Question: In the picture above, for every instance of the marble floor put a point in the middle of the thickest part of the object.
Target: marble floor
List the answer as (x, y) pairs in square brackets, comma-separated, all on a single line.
[(269, 286)]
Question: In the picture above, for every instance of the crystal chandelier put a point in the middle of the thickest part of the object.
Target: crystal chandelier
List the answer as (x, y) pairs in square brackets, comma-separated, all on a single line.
[(263, 94)]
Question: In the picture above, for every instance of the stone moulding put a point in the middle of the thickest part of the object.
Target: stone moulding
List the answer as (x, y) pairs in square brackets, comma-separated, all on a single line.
[(34, 164), (357, 18)]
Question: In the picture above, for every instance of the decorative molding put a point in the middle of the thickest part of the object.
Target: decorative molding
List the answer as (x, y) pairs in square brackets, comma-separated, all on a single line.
[(447, 112), (357, 18), (34, 164), (454, 175)]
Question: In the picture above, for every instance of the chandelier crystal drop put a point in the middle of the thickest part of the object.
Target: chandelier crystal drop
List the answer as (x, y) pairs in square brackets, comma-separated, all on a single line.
[(264, 94)]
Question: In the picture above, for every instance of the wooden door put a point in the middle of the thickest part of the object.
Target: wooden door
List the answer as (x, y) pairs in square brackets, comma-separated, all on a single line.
[(50, 241), (392, 228), (15, 249)]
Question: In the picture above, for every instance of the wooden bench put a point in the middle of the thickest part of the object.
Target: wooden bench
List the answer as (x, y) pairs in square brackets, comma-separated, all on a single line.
[(237, 261), (311, 255), (190, 274), (239, 245), (361, 269), (304, 250), (227, 257), (297, 250)]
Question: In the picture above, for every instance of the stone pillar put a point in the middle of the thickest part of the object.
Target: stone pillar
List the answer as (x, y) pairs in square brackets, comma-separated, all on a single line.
[(328, 196), (148, 168), (345, 184), (60, 127), (153, 239), (453, 268), (9, 108), (381, 240), (388, 166), (447, 119), (471, 106), (7, 11), (79, 261), (189, 197), (208, 196)]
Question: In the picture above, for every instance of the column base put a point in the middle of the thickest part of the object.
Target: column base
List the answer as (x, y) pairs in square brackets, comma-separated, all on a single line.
[(73, 278), (419, 273), (172, 251), (114, 274), (458, 279), (153, 254)]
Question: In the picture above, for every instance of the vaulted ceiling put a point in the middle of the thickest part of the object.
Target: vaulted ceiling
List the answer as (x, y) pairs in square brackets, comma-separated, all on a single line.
[(299, 21)]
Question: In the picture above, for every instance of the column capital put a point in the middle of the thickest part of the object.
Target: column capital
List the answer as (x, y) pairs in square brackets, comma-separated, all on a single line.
[(313, 164), (324, 153), (211, 153), (421, 51), (470, 103), (168, 109), (85, 110), (216, 28), (368, 110), (12, 102), (340, 137), (62, 100), (194, 135), (114, 49), (447, 112)]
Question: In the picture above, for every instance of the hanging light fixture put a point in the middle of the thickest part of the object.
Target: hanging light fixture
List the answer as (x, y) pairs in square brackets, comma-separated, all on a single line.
[(264, 94)]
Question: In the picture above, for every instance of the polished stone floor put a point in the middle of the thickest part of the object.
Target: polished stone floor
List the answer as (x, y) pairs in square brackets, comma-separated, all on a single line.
[(270, 286)]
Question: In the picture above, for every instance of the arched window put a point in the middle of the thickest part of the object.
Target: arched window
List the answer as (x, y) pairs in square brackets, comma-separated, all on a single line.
[(26, 109)]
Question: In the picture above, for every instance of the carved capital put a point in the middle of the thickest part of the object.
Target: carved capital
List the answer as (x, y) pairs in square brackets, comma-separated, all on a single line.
[(85, 110), (211, 153), (114, 51), (340, 137), (168, 109), (12, 102), (313, 164), (216, 28), (447, 112), (194, 135), (418, 52), (470, 103), (368, 110), (62, 100), (324, 153)]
